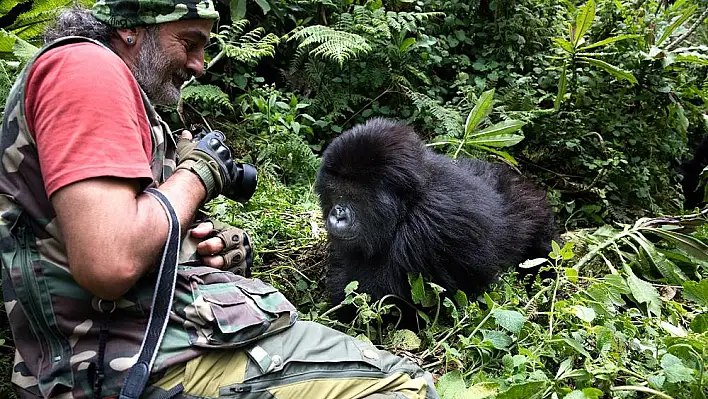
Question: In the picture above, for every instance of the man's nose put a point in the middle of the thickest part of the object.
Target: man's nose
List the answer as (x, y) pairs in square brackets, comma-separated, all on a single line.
[(195, 63)]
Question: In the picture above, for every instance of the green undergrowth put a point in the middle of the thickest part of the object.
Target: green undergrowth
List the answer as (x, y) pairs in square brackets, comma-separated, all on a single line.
[(626, 316)]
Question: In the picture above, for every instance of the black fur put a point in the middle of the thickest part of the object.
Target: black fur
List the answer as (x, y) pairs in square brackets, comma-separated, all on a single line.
[(403, 208)]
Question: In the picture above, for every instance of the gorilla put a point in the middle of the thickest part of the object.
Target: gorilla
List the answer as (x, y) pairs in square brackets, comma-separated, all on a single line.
[(392, 206)]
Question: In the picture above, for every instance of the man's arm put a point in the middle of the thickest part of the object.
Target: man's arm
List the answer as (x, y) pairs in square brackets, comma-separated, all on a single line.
[(113, 233)]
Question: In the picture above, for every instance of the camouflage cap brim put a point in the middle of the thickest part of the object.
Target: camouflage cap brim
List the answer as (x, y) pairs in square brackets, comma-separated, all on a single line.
[(131, 13)]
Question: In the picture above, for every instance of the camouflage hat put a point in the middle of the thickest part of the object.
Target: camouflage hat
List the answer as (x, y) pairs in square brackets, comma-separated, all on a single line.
[(131, 13)]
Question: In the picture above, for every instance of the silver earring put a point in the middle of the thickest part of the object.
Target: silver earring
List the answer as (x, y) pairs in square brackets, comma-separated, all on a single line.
[(129, 39)]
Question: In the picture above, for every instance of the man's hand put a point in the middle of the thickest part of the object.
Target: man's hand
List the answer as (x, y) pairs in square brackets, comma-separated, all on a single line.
[(225, 247), (210, 159)]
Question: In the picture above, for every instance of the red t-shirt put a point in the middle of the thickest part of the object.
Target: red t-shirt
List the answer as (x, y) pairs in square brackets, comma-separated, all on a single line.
[(85, 111)]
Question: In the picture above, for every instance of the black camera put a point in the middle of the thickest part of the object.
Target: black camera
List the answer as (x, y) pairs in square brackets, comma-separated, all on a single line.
[(246, 175)]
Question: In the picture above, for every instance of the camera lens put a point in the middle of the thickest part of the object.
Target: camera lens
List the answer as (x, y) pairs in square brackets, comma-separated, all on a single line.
[(248, 175)]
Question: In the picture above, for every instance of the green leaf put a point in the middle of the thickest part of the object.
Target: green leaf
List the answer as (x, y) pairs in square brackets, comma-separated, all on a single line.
[(264, 6), (510, 320), (699, 325), (238, 9), (420, 293), (481, 390), (659, 261), (615, 71), (696, 291), (674, 370), (692, 57), (644, 292), (498, 339), (524, 390), (499, 134), (7, 5), (584, 313), (480, 111), (406, 43), (690, 244), (564, 44), (576, 345), (405, 340), (583, 21), (587, 393), (608, 41), (687, 13), (450, 385), (461, 298), (562, 87)]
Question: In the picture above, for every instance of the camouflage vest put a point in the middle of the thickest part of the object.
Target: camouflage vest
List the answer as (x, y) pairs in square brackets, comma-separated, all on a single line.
[(55, 322)]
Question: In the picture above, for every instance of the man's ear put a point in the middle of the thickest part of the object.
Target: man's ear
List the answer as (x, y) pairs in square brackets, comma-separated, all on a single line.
[(130, 37)]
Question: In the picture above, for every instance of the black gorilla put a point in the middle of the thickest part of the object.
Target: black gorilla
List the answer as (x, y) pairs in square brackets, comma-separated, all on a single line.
[(393, 206)]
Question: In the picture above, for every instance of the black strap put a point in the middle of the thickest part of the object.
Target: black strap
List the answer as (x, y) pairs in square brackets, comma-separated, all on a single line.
[(161, 304)]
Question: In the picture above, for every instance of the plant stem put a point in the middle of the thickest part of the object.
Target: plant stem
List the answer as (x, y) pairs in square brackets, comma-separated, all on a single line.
[(641, 389), (553, 305)]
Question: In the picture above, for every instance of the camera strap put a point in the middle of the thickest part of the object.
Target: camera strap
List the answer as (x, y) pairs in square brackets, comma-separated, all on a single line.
[(161, 304)]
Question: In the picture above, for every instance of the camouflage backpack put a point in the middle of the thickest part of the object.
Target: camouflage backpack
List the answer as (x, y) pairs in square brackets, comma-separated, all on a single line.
[(57, 325)]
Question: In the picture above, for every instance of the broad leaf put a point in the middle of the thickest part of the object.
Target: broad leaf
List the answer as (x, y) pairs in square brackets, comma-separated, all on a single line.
[(480, 111), (608, 41), (451, 385), (264, 6), (658, 260), (524, 390), (692, 57), (644, 292), (613, 70), (498, 339), (510, 320), (564, 44), (501, 131), (696, 291), (687, 13), (406, 43), (238, 9), (7, 5), (687, 243), (562, 87), (583, 21)]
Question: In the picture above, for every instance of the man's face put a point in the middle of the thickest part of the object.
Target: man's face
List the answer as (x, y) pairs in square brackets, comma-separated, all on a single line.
[(169, 56)]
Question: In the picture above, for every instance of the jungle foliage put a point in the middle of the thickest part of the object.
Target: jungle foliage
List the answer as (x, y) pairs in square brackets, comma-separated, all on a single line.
[(598, 101)]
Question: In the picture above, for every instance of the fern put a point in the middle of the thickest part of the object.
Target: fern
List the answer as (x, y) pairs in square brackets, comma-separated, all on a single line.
[(31, 25), (336, 45), (450, 119), (246, 47), (208, 94)]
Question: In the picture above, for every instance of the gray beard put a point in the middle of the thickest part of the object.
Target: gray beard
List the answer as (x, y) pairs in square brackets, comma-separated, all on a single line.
[(154, 73)]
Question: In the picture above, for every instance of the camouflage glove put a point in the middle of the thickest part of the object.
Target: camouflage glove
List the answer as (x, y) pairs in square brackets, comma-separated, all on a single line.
[(210, 159), (237, 252)]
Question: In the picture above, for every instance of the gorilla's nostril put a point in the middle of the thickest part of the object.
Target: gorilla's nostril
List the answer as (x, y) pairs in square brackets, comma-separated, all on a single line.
[(339, 218), (340, 213)]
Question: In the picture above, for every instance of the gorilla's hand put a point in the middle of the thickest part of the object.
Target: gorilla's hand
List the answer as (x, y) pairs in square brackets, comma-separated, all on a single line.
[(210, 159), (219, 245)]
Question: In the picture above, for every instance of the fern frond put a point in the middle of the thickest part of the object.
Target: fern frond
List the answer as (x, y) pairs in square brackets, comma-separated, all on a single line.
[(450, 119), (248, 47), (208, 94), (30, 25), (409, 21), (336, 45)]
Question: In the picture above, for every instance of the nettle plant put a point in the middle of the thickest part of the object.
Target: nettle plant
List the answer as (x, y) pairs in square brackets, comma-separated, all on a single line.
[(575, 52)]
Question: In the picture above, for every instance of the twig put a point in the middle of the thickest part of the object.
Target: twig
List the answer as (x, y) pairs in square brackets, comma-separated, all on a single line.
[(672, 46), (641, 389)]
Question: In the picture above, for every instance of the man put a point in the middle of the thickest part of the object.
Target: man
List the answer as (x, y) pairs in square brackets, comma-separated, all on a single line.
[(85, 161)]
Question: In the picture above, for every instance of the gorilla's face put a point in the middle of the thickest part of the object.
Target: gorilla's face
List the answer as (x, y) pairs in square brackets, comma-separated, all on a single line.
[(360, 219)]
